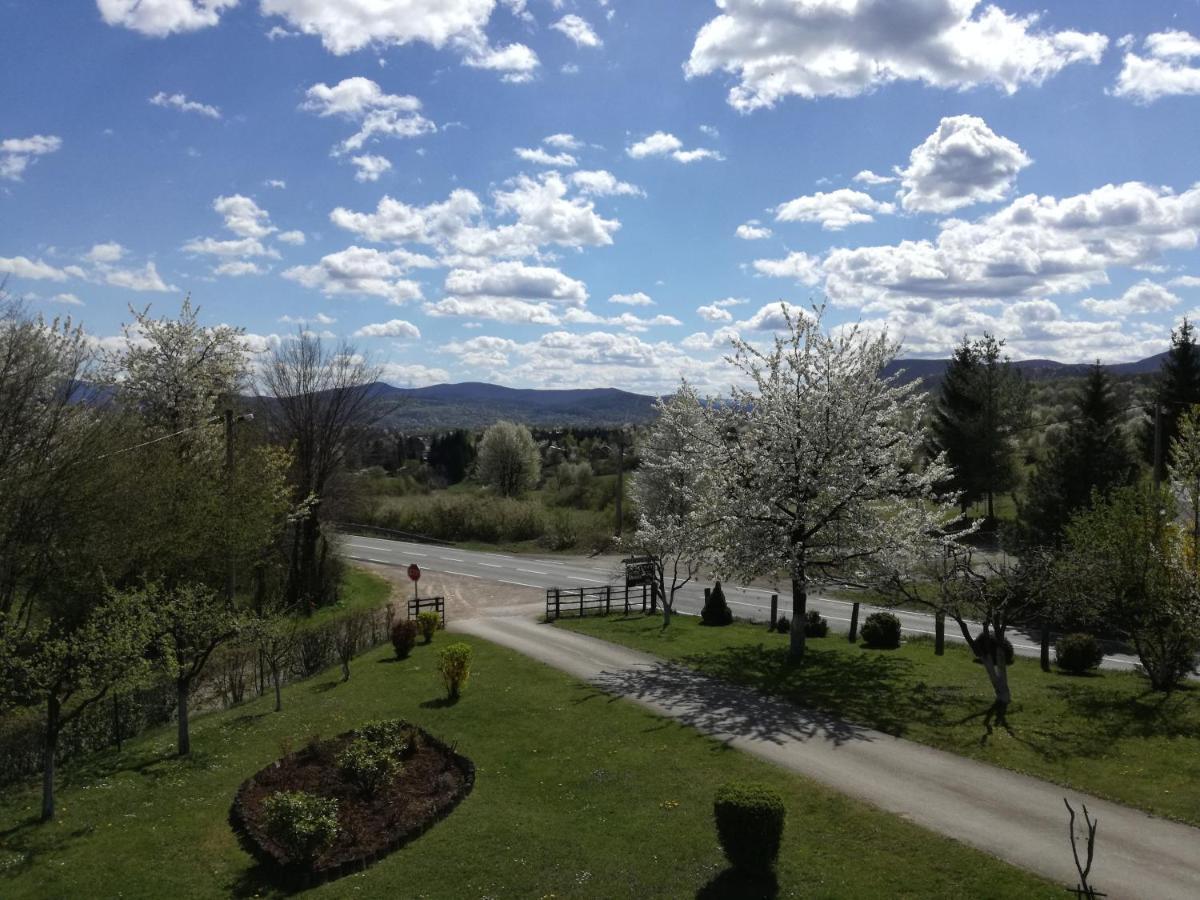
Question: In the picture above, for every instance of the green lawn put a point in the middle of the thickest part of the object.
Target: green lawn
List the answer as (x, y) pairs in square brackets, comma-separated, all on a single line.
[(360, 590), (578, 795), (1107, 734)]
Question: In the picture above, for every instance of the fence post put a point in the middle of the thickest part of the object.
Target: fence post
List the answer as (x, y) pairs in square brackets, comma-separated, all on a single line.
[(853, 622), (556, 603), (643, 599), (774, 610), (939, 633), (607, 598), (626, 598), (1045, 645), (581, 603)]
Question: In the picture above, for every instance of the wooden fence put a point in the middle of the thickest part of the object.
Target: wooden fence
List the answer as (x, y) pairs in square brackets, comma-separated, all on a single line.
[(599, 601), (417, 605)]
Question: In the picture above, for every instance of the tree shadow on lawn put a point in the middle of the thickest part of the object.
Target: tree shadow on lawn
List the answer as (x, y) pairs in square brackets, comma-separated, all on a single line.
[(1112, 715), (734, 884)]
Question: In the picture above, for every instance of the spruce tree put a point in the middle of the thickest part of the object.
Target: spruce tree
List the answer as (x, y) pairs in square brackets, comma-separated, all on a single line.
[(1176, 390), (1093, 457), (982, 400)]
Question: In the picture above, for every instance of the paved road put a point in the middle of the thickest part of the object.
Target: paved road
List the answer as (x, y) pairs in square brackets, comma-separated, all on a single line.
[(1017, 818), (548, 572)]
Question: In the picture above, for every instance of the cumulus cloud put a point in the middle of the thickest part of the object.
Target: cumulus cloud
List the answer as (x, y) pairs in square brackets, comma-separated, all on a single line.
[(412, 374), (817, 48), (183, 104), (635, 299), (541, 157), (363, 270), (542, 205), (961, 163), (109, 252), (143, 279), (378, 113), (662, 143), (866, 176), (517, 280), (369, 167), (753, 230), (395, 328), (295, 238), (600, 183), (1143, 298), (17, 154), (516, 62), (1165, 70), (497, 309), (238, 267), (34, 270), (244, 217), (714, 313), (158, 18), (562, 141), (578, 30), (834, 210), (796, 265)]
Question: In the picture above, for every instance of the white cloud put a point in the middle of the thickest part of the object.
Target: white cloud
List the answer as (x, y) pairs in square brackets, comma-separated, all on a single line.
[(109, 252), (753, 231), (369, 167), (319, 318), (834, 210), (34, 270), (412, 374), (866, 176), (662, 143), (542, 205), (1185, 281), (278, 183), (66, 300), (295, 238), (143, 279), (240, 247), (578, 30), (961, 163), (714, 313), (17, 154), (395, 328), (710, 131), (797, 265), (770, 317), (562, 141), (1143, 298), (541, 157), (362, 100), (496, 309), (1164, 71), (348, 25), (516, 62), (237, 268), (834, 48), (183, 104), (635, 299), (363, 270), (244, 217), (158, 18), (599, 183), (628, 321), (517, 280)]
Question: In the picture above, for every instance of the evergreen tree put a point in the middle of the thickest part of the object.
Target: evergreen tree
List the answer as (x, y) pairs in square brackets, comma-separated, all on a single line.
[(983, 399), (1176, 390), (1094, 456), (451, 454)]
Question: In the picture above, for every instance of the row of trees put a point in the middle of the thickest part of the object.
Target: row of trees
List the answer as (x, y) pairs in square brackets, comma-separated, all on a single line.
[(820, 468), (136, 533)]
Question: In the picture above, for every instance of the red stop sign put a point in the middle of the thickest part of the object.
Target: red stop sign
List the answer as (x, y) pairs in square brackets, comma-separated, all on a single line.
[(414, 572)]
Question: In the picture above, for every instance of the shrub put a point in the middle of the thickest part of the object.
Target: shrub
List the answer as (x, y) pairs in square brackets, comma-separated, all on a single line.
[(367, 764), (304, 825), (782, 625), (1077, 653), (985, 644), (749, 824), (400, 736), (716, 611), (881, 629), (454, 665), (428, 623), (404, 637), (815, 625)]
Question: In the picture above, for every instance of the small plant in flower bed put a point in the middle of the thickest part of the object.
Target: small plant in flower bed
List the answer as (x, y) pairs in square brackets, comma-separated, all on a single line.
[(404, 637), (427, 623), (341, 803)]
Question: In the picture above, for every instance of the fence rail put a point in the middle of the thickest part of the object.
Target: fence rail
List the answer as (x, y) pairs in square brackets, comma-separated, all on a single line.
[(390, 534), (600, 600), (417, 605)]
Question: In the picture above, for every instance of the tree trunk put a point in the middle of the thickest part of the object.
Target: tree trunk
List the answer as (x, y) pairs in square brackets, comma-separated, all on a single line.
[(49, 751), (278, 693), (184, 739), (1045, 646), (997, 672), (799, 612), (667, 609)]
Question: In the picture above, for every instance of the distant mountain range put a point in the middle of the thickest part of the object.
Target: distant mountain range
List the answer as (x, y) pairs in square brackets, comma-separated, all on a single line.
[(476, 404)]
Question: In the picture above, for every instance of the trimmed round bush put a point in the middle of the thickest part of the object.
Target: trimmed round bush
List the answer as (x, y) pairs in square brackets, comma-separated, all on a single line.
[(881, 629), (404, 637), (1077, 653), (750, 821), (815, 625), (454, 665), (783, 625), (303, 824)]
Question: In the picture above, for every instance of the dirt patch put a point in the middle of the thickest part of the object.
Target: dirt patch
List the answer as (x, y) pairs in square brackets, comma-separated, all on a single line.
[(465, 597), (434, 779)]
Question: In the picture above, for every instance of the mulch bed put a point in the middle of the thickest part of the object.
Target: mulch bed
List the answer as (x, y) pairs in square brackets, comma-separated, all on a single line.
[(433, 781)]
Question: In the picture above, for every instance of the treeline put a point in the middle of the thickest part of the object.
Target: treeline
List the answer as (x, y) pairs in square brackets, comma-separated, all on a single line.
[(149, 514)]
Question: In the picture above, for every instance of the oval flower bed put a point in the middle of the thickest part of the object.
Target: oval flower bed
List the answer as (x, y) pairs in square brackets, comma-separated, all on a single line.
[(340, 804)]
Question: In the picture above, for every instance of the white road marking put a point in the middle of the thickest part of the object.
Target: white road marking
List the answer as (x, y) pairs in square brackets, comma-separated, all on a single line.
[(491, 565), (521, 583), (463, 574), (452, 558), (533, 571)]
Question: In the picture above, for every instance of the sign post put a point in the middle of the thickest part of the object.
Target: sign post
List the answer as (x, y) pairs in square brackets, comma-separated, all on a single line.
[(414, 572)]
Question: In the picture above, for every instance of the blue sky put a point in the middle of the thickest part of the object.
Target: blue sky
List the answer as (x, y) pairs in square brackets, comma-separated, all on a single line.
[(558, 193)]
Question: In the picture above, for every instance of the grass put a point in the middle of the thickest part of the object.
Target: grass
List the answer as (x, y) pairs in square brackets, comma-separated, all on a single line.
[(578, 795), (360, 590), (1107, 733)]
